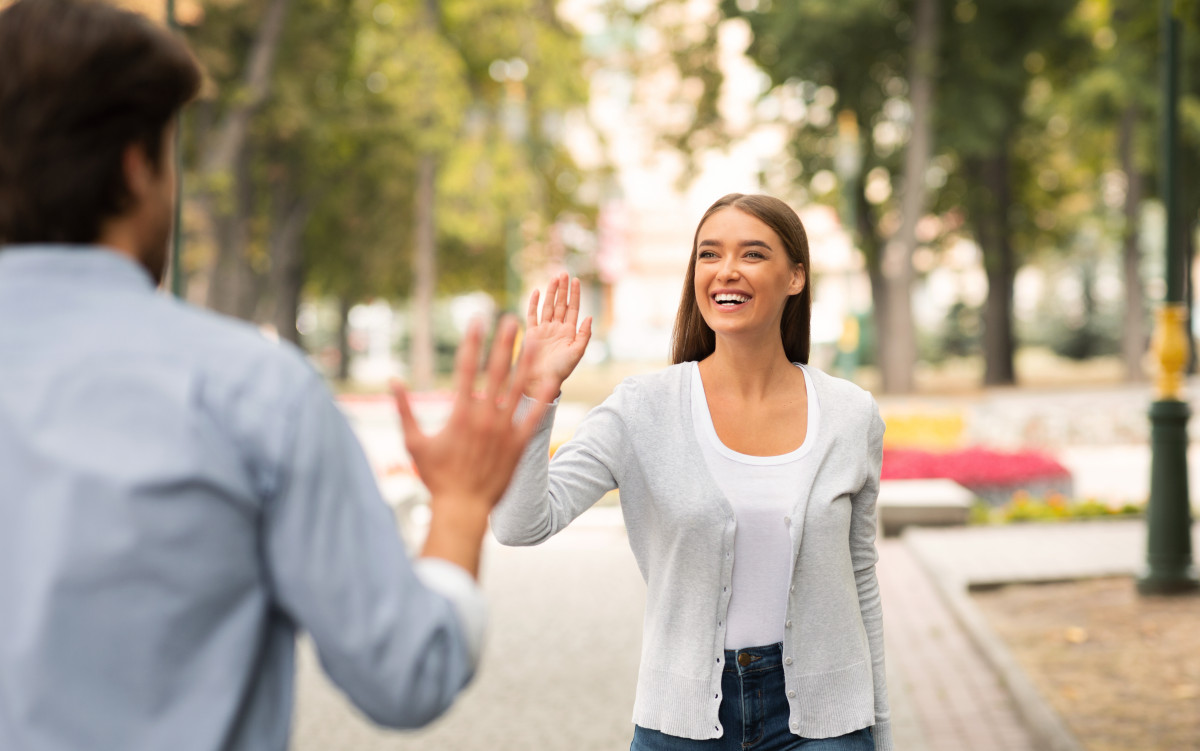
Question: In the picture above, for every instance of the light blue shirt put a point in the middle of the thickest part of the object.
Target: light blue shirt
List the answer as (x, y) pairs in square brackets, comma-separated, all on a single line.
[(178, 497)]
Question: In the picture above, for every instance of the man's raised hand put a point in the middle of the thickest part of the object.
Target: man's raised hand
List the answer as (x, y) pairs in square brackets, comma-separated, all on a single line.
[(468, 465)]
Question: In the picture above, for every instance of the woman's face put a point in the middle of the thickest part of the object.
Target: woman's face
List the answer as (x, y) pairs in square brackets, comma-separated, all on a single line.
[(743, 274)]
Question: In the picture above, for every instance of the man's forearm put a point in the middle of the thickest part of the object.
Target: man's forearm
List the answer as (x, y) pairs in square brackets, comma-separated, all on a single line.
[(456, 530)]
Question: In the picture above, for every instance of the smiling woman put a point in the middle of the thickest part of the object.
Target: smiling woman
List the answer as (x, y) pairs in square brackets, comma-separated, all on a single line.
[(725, 461), (740, 234)]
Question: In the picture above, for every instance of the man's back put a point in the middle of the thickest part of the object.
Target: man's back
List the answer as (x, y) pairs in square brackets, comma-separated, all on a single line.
[(176, 494)]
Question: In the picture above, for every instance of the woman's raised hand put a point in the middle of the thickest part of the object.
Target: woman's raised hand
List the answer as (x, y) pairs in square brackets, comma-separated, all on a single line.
[(560, 344)]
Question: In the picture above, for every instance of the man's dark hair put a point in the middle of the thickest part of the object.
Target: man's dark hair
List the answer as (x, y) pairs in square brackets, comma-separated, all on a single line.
[(79, 82)]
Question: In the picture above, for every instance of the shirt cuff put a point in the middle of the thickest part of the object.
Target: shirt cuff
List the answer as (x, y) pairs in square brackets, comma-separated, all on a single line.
[(527, 403), (460, 588)]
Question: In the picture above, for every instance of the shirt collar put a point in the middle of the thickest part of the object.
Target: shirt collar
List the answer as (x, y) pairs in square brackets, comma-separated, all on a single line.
[(89, 264)]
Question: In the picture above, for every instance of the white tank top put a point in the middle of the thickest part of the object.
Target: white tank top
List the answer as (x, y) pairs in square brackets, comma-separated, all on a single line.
[(762, 492)]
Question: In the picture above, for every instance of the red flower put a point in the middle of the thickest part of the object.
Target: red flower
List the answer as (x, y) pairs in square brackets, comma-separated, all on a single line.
[(972, 466)]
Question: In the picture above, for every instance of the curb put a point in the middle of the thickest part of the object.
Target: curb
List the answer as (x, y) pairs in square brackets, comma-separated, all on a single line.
[(1049, 730)]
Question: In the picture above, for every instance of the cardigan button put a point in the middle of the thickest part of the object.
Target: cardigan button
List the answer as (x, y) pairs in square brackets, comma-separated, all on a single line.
[(788, 624), (791, 694), (795, 725), (787, 660)]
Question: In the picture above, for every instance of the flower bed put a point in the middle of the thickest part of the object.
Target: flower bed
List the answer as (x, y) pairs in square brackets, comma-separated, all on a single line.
[(1026, 508), (994, 476)]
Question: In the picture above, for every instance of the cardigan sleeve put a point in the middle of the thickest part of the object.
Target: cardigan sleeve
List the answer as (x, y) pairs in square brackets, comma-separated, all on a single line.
[(545, 496), (863, 528)]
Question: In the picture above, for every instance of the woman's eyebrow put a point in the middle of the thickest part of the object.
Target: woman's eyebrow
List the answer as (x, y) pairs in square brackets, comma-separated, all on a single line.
[(741, 244)]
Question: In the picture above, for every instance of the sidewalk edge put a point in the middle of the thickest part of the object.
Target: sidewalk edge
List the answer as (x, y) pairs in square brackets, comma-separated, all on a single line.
[(1043, 722)]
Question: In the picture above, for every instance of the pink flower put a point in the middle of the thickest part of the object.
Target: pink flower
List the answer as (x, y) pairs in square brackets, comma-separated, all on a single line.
[(972, 466)]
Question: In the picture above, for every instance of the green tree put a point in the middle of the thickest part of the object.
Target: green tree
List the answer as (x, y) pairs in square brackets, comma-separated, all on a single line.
[(372, 113)]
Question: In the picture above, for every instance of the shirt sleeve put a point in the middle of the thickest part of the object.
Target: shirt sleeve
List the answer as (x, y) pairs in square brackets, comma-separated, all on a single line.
[(863, 554), (399, 648), (460, 588), (545, 496)]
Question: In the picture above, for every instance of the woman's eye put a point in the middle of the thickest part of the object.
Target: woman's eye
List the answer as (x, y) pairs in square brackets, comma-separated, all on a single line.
[(706, 254), (755, 254)]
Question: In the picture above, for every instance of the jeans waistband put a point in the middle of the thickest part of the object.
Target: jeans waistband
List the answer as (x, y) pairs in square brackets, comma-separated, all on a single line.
[(754, 659)]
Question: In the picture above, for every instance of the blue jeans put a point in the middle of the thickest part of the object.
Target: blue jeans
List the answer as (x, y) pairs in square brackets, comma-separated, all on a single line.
[(753, 713)]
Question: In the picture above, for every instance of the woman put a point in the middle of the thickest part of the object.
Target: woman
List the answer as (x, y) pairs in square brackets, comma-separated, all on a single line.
[(748, 482)]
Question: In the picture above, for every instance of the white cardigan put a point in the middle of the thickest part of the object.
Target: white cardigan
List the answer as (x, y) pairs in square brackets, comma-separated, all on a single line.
[(681, 530)]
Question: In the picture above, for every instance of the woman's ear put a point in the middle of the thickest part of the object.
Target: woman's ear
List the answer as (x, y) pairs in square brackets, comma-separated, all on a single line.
[(799, 279)]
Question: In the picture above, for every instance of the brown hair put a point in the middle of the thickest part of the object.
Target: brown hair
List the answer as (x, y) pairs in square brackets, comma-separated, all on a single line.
[(693, 339), (79, 82)]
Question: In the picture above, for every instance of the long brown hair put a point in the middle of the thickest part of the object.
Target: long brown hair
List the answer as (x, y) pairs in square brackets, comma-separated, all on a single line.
[(693, 339)]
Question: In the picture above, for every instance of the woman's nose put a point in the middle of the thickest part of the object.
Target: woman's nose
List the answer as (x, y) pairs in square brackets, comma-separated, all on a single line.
[(728, 270)]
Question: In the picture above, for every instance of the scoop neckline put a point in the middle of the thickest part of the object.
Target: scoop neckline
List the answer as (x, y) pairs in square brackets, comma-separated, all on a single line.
[(700, 405)]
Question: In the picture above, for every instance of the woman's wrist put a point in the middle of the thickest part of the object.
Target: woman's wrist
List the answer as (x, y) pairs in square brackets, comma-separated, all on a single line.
[(539, 389)]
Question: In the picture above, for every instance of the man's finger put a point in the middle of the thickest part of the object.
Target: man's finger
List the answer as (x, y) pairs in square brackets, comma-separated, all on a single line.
[(466, 364), (528, 426), (500, 360), (408, 421), (520, 378)]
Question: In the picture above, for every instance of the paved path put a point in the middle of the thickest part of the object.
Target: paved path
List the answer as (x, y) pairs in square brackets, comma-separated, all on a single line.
[(944, 695), (560, 664), (563, 650)]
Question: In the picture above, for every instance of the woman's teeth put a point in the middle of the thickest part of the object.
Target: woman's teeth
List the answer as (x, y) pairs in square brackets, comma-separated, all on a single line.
[(730, 299)]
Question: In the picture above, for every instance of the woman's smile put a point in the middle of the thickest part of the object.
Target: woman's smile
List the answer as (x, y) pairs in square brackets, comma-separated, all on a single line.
[(730, 300)]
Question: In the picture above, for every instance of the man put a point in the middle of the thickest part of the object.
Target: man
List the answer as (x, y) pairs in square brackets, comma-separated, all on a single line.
[(179, 496)]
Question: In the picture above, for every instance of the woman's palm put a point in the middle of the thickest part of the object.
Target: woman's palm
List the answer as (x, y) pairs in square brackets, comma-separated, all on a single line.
[(560, 344)]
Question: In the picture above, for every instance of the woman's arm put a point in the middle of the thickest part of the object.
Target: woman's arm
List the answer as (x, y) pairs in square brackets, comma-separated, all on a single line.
[(545, 496), (863, 526), (542, 500)]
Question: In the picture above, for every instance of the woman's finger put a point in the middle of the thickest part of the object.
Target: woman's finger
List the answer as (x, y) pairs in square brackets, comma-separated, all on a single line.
[(572, 316), (560, 298), (585, 333), (548, 301), (531, 320)]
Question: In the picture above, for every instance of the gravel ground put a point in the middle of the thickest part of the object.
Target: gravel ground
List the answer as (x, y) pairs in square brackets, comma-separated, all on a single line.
[(1122, 670)]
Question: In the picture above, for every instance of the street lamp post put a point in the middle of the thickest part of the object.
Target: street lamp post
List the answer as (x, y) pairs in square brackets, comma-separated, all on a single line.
[(1169, 568), (176, 235)]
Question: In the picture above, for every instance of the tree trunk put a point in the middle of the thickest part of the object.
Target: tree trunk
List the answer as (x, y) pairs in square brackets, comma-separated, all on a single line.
[(1134, 337), (233, 284), (424, 275), (896, 268), (421, 354), (991, 201), (343, 339), (871, 246), (287, 261)]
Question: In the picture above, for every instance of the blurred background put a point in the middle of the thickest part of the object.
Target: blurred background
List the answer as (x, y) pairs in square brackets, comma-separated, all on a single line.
[(980, 188), (981, 182)]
